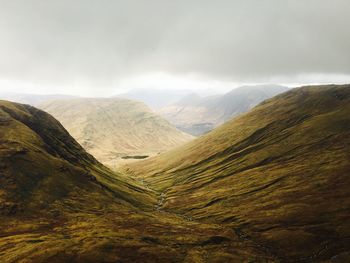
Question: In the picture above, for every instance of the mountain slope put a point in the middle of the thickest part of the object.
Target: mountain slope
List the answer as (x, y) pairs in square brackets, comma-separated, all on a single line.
[(46, 156), (58, 204), (278, 175), (114, 128), (198, 115)]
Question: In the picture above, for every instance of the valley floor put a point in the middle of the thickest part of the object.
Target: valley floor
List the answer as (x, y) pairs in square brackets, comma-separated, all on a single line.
[(118, 234)]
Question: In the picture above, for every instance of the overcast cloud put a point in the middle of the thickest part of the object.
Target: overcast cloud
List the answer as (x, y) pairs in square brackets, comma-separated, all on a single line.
[(94, 46)]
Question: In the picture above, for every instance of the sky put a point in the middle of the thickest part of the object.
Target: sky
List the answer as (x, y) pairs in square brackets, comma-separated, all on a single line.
[(105, 47)]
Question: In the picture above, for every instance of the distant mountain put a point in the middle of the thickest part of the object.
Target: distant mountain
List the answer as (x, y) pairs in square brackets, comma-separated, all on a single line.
[(277, 175), (156, 98), (32, 99), (197, 115), (115, 129)]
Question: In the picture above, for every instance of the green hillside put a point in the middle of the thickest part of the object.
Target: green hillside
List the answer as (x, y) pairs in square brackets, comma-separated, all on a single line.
[(278, 175)]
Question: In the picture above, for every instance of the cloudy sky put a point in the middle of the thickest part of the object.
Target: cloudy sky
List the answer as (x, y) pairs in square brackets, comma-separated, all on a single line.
[(99, 47)]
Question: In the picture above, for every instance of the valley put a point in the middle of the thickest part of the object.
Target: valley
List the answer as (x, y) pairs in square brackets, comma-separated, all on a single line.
[(271, 185), (59, 204), (157, 131)]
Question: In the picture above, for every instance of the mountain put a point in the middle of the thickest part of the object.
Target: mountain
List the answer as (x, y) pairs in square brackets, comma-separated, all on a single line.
[(58, 204), (32, 99), (197, 115), (278, 176), (115, 128), (48, 160)]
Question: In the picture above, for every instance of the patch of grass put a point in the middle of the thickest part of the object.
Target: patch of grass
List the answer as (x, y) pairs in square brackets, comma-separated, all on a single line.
[(135, 157)]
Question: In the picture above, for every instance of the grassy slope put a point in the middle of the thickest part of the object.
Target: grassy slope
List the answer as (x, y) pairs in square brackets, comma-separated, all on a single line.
[(278, 175), (58, 204), (110, 128)]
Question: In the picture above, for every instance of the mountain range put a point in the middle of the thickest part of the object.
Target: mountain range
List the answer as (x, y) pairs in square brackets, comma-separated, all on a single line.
[(270, 185), (198, 115)]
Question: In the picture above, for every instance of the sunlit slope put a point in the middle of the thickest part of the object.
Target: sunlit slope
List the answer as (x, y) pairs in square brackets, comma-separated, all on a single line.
[(58, 204), (279, 173), (113, 128)]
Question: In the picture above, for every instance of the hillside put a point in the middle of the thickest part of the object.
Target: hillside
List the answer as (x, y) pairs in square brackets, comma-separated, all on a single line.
[(198, 115), (58, 204), (112, 129), (277, 175), (39, 158)]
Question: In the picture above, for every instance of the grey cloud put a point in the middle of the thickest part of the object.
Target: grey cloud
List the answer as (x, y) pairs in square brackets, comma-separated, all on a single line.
[(98, 42)]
